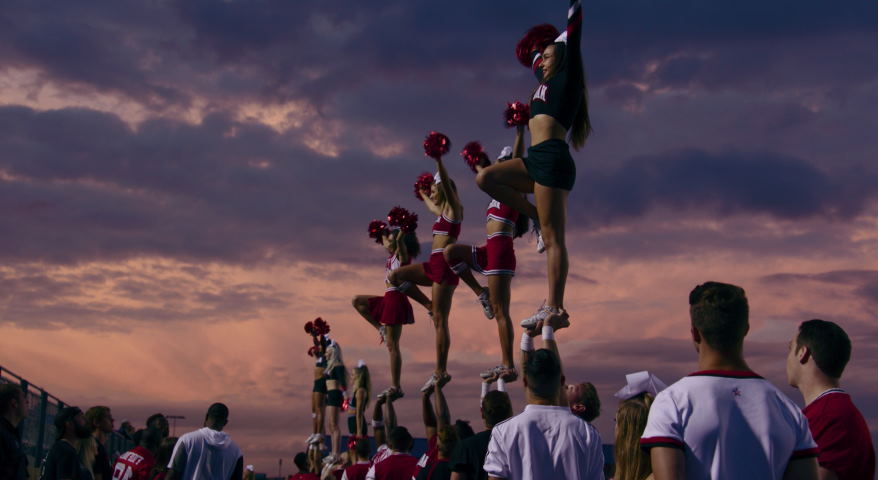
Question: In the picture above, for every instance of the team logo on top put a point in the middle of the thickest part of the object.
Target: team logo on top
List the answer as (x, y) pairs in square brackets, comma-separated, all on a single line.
[(540, 94), (736, 392)]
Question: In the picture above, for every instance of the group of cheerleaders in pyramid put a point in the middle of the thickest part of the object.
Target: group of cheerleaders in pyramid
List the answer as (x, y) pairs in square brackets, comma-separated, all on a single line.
[(557, 113)]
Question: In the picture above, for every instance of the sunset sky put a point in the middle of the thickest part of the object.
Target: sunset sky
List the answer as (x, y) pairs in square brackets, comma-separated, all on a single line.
[(183, 184)]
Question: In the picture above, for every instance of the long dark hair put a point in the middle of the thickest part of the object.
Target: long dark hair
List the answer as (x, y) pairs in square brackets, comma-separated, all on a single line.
[(581, 128), (521, 225), (163, 457), (411, 244)]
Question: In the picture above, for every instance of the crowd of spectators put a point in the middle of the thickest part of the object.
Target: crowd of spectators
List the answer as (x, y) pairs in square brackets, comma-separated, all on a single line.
[(724, 421)]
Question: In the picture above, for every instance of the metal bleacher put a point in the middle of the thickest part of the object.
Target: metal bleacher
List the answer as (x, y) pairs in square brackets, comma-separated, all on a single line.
[(38, 429)]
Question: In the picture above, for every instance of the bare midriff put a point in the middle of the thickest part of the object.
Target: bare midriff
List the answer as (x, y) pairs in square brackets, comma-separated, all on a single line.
[(495, 226), (544, 127), (442, 241)]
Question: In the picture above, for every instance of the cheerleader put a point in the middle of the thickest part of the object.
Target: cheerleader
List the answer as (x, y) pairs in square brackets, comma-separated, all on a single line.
[(389, 313), (361, 391), (336, 385), (441, 199), (558, 110), (318, 393), (496, 260)]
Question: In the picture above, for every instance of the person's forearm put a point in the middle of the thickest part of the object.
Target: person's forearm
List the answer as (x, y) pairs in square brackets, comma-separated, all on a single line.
[(443, 414), (548, 334), (518, 146), (427, 414), (391, 418)]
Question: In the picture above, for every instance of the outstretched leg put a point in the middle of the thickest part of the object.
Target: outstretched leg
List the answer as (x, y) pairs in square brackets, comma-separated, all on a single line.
[(407, 278), (552, 206), (457, 254), (505, 182), (361, 305)]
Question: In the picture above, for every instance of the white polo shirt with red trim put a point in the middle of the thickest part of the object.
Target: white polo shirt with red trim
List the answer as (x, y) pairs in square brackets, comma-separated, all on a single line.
[(545, 443), (729, 424)]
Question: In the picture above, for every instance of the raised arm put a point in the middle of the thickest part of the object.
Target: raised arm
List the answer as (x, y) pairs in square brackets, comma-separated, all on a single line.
[(548, 333), (443, 415), (402, 253), (428, 415), (549, 339), (431, 205), (378, 429), (390, 424), (527, 345), (574, 28), (518, 145), (450, 194)]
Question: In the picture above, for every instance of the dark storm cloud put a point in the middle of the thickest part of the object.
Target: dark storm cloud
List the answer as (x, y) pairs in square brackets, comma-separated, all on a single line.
[(194, 192), (164, 53), (174, 189), (864, 283), (722, 184)]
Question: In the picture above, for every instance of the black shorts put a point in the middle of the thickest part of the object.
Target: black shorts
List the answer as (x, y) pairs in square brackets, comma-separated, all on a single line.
[(352, 425), (319, 385), (549, 163), (334, 398)]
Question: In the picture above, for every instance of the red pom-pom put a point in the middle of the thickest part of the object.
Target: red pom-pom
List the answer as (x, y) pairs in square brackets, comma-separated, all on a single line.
[(423, 184), (312, 352), (402, 218), (320, 327), (436, 145), (376, 230), (309, 327), (536, 39), (516, 114), (474, 155)]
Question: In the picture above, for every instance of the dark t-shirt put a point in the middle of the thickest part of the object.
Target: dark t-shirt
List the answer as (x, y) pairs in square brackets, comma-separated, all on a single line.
[(439, 470), (102, 465), (469, 455), (63, 462), (13, 461)]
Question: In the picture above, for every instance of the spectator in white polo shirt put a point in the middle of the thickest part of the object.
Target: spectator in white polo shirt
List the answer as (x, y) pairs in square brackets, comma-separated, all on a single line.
[(546, 441), (725, 421)]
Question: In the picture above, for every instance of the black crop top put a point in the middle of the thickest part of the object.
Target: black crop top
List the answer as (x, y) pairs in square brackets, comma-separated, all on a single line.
[(338, 374), (560, 97)]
